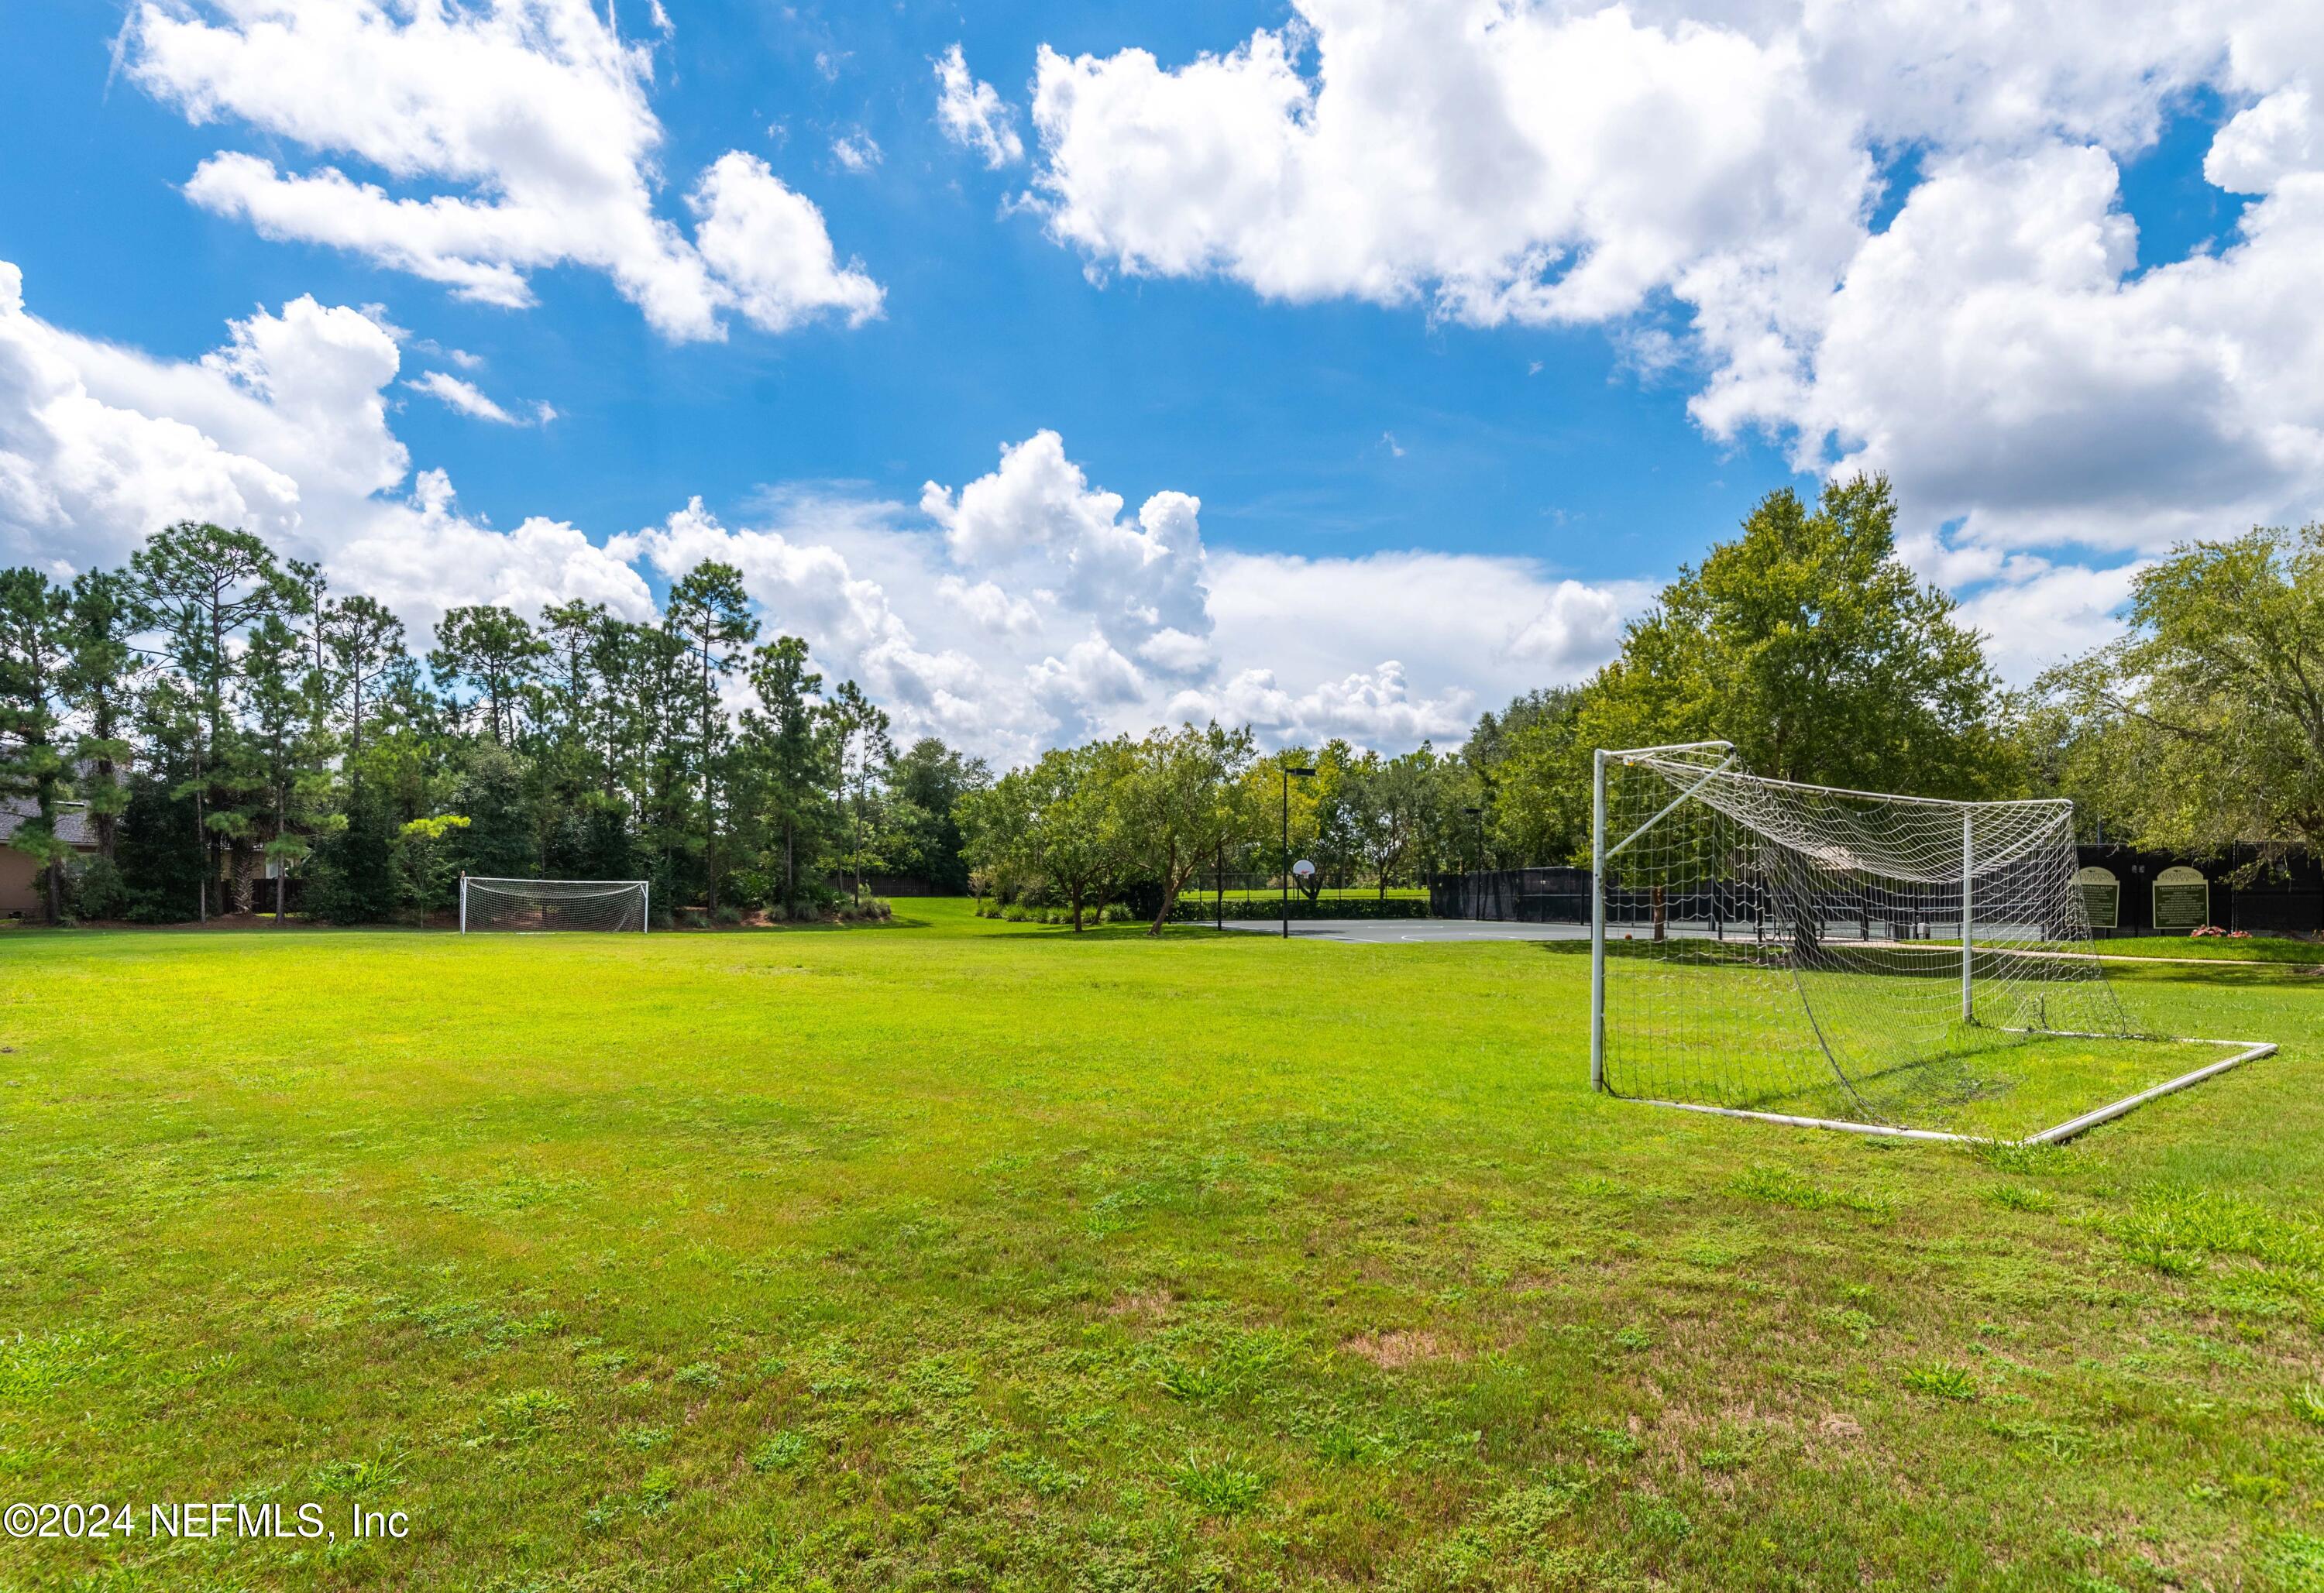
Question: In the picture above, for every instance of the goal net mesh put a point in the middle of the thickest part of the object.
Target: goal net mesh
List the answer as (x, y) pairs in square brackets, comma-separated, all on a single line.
[(538, 905), (1783, 948)]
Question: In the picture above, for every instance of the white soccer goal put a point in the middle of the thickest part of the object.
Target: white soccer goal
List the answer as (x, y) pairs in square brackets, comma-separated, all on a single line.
[(1881, 963), (537, 905)]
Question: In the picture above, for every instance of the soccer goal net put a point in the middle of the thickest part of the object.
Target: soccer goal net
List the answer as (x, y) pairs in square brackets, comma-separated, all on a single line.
[(540, 905), (1848, 959)]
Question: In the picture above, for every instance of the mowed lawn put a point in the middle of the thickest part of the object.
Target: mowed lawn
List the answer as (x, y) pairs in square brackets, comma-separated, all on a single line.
[(968, 1255)]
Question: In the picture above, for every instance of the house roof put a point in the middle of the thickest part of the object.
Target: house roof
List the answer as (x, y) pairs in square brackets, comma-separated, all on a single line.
[(73, 827)]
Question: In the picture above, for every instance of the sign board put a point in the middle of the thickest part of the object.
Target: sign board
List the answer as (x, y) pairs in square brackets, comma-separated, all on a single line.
[(2182, 898), (2101, 897)]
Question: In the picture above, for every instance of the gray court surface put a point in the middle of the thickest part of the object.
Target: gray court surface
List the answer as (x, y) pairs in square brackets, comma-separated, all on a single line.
[(1397, 931)]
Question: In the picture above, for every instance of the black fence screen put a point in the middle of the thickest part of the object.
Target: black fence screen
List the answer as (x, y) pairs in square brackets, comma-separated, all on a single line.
[(2240, 888), (1514, 896), (2236, 890)]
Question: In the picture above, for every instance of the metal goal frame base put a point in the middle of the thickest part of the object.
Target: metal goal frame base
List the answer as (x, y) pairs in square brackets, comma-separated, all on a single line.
[(2252, 1050)]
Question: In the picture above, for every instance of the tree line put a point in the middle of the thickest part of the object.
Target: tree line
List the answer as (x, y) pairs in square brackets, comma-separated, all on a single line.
[(1151, 818), (1808, 642), (228, 724), (225, 724)]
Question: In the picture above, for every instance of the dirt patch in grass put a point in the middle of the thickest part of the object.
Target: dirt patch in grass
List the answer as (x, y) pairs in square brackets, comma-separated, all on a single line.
[(1141, 1304), (1400, 1348)]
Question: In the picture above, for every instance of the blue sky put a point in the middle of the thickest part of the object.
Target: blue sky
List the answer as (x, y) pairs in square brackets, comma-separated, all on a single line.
[(1366, 326), (1275, 415)]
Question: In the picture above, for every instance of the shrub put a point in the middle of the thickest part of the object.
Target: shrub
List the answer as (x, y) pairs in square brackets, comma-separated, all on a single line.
[(95, 890), (1015, 913), (728, 916)]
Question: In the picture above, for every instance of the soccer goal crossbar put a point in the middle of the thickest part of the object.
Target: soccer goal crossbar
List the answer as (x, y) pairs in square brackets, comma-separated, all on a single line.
[(538, 906), (1885, 964)]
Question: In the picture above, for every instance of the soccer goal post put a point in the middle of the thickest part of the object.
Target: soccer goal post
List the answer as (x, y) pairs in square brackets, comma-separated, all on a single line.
[(1864, 961), (543, 906)]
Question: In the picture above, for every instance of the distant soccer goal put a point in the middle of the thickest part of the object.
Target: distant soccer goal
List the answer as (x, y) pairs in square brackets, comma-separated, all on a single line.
[(1881, 963), (540, 906)]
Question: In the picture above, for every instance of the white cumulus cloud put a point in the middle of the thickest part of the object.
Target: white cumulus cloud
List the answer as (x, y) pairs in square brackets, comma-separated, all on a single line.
[(768, 243), (534, 115), (1703, 181), (457, 393), (972, 114), (1023, 607), (1037, 519), (283, 431), (858, 152)]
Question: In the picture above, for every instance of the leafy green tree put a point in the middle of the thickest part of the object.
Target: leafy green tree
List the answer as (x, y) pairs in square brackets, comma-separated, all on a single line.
[(34, 659), (353, 877), (1181, 799), (1391, 806), (1445, 840), (863, 753), (1331, 841), (2203, 727), (926, 782), (100, 687), (494, 652), (1526, 746), (1808, 643), (711, 612), (200, 585), (160, 845), (1056, 826), (1490, 741), (498, 840), (364, 642), (304, 590), (648, 681), (584, 819), (279, 746), (790, 752), (562, 702)]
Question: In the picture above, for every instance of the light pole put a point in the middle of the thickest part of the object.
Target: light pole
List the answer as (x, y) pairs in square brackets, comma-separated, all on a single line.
[(1289, 774)]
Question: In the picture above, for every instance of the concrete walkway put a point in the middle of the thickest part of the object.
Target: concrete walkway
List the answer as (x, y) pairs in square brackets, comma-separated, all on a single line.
[(1398, 931)]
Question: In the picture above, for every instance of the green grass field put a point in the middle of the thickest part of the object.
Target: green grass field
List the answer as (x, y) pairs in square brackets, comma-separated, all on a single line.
[(961, 1253), (2258, 948)]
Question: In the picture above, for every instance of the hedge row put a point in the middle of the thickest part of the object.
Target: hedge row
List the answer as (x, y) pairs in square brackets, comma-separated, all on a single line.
[(1245, 908)]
